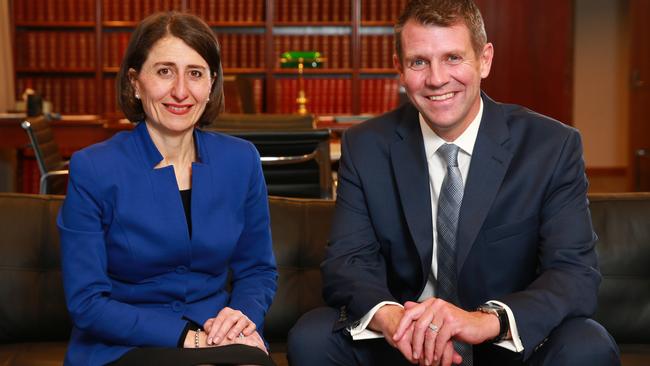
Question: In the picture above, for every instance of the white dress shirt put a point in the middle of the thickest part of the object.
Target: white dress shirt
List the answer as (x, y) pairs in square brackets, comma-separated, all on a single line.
[(437, 168)]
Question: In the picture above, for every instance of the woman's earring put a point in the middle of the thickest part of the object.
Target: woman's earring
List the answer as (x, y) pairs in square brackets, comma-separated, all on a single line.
[(207, 100), (137, 95)]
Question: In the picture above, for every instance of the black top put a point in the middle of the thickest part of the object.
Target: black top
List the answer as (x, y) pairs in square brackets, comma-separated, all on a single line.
[(186, 197)]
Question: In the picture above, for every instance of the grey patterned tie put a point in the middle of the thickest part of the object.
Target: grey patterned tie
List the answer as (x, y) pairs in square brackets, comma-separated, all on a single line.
[(451, 196)]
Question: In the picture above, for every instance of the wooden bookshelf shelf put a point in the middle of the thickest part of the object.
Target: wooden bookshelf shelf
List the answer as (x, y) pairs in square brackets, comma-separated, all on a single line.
[(237, 24), (235, 71), (53, 24), (377, 23), (323, 71), (68, 70), (388, 71), (312, 24), (118, 24)]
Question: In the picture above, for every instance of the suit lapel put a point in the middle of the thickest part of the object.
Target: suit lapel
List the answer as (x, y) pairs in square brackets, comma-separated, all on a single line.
[(490, 161), (411, 174)]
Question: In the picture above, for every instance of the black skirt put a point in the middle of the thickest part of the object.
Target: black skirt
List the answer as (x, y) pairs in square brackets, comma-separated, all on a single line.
[(233, 354)]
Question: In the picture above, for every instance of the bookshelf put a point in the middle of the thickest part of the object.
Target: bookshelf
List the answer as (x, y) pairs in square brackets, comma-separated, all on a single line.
[(70, 51)]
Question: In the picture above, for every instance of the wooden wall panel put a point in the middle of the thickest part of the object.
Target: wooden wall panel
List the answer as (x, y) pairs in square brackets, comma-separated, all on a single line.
[(533, 62)]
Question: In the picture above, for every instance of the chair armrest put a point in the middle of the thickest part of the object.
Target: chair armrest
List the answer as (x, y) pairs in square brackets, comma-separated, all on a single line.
[(283, 160), (44, 177)]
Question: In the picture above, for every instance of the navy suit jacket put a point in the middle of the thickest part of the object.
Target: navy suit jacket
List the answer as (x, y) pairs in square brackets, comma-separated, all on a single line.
[(132, 274), (524, 236)]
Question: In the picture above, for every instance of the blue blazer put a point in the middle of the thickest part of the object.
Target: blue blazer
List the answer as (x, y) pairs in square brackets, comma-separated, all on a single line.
[(524, 238), (131, 271)]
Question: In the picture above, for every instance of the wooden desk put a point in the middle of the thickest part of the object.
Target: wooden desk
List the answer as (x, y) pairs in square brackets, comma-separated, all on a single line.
[(71, 135)]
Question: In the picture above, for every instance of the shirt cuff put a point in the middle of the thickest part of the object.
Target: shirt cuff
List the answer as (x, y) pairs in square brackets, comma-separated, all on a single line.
[(513, 344), (359, 330)]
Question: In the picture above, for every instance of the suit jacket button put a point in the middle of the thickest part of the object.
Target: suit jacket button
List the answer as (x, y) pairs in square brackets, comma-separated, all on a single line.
[(177, 306), (181, 269)]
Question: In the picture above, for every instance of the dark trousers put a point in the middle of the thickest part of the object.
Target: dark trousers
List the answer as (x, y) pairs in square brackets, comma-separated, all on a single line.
[(236, 354), (576, 342)]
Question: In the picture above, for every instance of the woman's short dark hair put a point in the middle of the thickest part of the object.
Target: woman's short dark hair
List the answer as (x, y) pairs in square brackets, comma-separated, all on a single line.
[(191, 30)]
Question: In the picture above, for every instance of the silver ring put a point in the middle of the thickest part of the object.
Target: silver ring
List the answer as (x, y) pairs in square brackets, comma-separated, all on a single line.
[(434, 328), (241, 335)]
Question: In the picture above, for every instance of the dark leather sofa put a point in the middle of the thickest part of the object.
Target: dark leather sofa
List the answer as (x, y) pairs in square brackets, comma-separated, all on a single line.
[(34, 324)]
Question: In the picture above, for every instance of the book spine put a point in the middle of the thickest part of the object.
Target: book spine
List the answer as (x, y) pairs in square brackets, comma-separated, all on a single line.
[(52, 57), (19, 10), (315, 11), (230, 14), (241, 8), (346, 10), (136, 12), (41, 42), (212, 11), (221, 10), (123, 44), (285, 10), (336, 10), (83, 50), (258, 90), (92, 47)]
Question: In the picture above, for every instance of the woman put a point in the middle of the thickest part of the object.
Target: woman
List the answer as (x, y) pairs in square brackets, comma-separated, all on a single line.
[(156, 219)]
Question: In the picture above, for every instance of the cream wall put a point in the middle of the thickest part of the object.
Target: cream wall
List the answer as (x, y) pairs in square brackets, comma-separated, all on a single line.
[(600, 103)]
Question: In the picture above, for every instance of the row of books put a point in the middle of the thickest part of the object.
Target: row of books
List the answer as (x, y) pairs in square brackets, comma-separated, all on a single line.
[(114, 47), (377, 51), (110, 97), (214, 11), (69, 95), (135, 10), (54, 11), (333, 96), (335, 49), (210, 10), (233, 99), (74, 51), (313, 11), (325, 96), (55, 50), (379, 95), (241, 50), (380, 10)]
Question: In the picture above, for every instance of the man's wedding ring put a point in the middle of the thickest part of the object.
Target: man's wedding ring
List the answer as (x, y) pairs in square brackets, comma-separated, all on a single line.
[(434, 328), (241, 335)]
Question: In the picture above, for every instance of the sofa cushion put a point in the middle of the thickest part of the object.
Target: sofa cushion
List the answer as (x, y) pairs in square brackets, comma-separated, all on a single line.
[(32, 307), (300, 228), (622, 223)]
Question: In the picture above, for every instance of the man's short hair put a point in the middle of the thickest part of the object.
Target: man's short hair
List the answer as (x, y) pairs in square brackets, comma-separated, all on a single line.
[(443, 13)]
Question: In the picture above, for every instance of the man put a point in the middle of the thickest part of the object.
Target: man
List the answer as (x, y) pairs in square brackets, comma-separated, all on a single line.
[(462, 231)]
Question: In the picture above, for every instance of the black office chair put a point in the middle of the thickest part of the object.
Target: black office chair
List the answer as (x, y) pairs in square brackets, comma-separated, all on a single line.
[(49, 160), (241, 121), (296, 163)]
